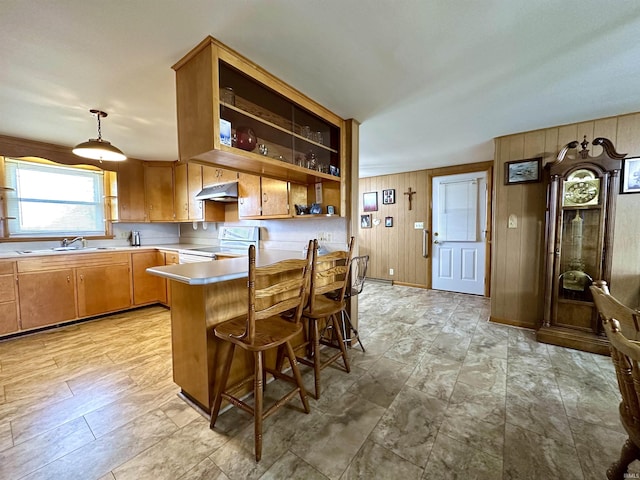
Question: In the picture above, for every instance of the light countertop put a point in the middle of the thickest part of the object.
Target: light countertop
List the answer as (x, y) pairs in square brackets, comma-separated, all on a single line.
[(204, 273)]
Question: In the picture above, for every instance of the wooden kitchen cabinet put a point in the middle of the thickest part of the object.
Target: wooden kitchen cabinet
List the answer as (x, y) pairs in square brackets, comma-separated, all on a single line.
[(262, 197), (296, 139), (213, 175), (103, 289), (46, 297), (8, 298), (188, 183), (147, 288), (170, 258), (131, 191), (158, 187)]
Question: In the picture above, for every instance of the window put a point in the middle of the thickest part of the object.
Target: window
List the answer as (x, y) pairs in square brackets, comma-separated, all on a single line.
[(51, 200)]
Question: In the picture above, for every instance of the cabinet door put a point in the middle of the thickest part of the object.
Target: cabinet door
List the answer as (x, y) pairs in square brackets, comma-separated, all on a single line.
[(194, 185), (158, 187), (46, 298), (131, 204), (275, 198), (103, 289), (248, 195), (8, 304), (181, 192), (170, 258), (147, 288), (213, 175)]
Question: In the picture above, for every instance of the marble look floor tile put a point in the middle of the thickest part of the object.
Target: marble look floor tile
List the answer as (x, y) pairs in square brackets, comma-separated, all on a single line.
[(589, 401), (124, 408), (452, 459), (598, 448), (52, 416), (524, 341), (374, 462), (179, 411), (19, 460), (408, 350), (107, 476), (484, 371), (543, 415), (174, 455), (451, 345), (435, 376), (337, 435), (292, 467), (205, 470), (382, 382), (410, 425), (485, 342), (99, 457), (528, 455), (6, 439), (32, 392), (18, 368)]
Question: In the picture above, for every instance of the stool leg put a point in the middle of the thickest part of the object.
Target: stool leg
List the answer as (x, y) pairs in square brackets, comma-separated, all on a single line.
[(257, 409), (316, 357), (351, 329), (296, 374), (336, 327), (221, 385)]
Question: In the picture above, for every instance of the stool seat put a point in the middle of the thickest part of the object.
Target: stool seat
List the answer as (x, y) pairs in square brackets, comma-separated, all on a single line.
[(324, 307), (268, 334)]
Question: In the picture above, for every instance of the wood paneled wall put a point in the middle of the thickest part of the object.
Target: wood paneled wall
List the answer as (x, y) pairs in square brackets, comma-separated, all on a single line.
[(400, 247), (517, 287)]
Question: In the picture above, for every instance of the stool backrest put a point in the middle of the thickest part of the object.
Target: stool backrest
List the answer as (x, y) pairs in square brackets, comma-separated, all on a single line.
[(275, 289), (358, 274), (610, 307), (330, 273)]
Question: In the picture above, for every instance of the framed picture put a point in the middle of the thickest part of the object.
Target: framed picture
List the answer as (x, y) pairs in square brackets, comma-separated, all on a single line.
[(388, 196), (630, 175), (370, 201), (388, 221), (522, 171), (365, 221)]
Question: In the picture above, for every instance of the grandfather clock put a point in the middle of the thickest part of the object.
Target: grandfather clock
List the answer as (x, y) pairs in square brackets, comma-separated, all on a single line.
[(580, 214)]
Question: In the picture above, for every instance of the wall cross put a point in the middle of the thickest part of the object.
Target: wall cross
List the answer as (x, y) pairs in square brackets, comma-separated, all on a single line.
[(410, 194)]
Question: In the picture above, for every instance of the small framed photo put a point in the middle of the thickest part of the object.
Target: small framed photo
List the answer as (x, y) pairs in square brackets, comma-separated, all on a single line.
[(370, 201), (365, 221), (522, 171), (331, 210), (388, 196), (388, 221), (630, 175)]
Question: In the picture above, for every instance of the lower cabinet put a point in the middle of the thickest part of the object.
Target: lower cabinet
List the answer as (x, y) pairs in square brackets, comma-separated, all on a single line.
[(103, 289), (8, 298), (170, 258), (47, 298), (147, 288)]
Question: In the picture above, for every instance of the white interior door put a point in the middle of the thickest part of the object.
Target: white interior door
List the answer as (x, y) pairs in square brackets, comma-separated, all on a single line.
[(459, 218)]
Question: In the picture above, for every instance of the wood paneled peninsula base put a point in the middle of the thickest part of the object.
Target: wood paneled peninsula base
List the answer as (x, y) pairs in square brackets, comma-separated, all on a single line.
[(202, 295)]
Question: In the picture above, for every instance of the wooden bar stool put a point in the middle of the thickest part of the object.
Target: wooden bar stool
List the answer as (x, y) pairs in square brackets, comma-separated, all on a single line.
[(275, 292), (330, 274)]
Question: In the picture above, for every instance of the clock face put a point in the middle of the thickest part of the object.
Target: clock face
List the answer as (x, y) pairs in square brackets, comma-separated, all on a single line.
[(581, 193), (582, 187)]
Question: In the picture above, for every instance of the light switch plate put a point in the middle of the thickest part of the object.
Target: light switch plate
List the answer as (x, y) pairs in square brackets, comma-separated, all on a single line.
[(513, 221)]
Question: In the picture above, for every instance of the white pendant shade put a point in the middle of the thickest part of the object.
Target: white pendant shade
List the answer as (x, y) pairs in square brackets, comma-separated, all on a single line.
[(97, 148)]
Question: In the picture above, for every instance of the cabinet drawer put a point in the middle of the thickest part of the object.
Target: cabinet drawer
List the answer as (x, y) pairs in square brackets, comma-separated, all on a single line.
[(6, 267), (7, 288), (171, 258)]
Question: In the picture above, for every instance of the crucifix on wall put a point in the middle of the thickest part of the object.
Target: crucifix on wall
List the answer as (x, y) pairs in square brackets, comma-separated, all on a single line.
[(409, 193)]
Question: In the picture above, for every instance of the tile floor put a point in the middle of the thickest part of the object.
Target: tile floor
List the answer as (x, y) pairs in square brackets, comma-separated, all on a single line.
[(439, 394)]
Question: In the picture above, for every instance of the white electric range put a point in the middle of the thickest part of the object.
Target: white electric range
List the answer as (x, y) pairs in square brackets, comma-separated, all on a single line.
[(231, 240)]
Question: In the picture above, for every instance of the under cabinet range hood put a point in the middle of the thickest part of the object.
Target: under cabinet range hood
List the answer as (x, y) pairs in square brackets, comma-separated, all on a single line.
[(221, 192)]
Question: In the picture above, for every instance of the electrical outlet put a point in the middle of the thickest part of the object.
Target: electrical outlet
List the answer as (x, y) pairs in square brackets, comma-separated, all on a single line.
[(125, 234), (391, 271)]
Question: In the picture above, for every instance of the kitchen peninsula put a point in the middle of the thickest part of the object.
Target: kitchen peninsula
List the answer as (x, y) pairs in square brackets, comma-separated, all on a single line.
[(203, 295)]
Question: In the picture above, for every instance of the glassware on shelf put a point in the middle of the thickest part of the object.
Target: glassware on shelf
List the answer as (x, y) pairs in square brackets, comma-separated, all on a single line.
[(228, 96), (312, 161), (245, 138)]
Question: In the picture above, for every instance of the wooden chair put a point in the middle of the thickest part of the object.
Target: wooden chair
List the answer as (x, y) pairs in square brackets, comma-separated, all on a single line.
[(330, 274), (276, 299), (625, 355)]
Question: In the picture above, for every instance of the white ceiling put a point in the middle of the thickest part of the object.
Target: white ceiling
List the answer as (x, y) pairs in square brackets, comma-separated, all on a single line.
[(431, 81)]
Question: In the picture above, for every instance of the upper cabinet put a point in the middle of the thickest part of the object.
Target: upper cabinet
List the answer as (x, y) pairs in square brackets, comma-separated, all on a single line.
[(158, 187), (235, 115), (131, 199)]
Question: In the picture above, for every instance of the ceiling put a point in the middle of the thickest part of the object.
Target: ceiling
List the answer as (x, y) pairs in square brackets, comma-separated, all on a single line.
[(431, 81)]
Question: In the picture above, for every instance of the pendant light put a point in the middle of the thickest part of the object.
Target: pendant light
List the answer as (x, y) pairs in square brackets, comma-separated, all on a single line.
[(97, 148)]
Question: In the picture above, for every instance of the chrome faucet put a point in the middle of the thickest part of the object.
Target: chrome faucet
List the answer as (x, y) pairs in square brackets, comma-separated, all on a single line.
[(65, 242)]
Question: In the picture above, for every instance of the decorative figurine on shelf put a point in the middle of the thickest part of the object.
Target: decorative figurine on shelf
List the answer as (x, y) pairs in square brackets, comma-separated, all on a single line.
[(245, 138)]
